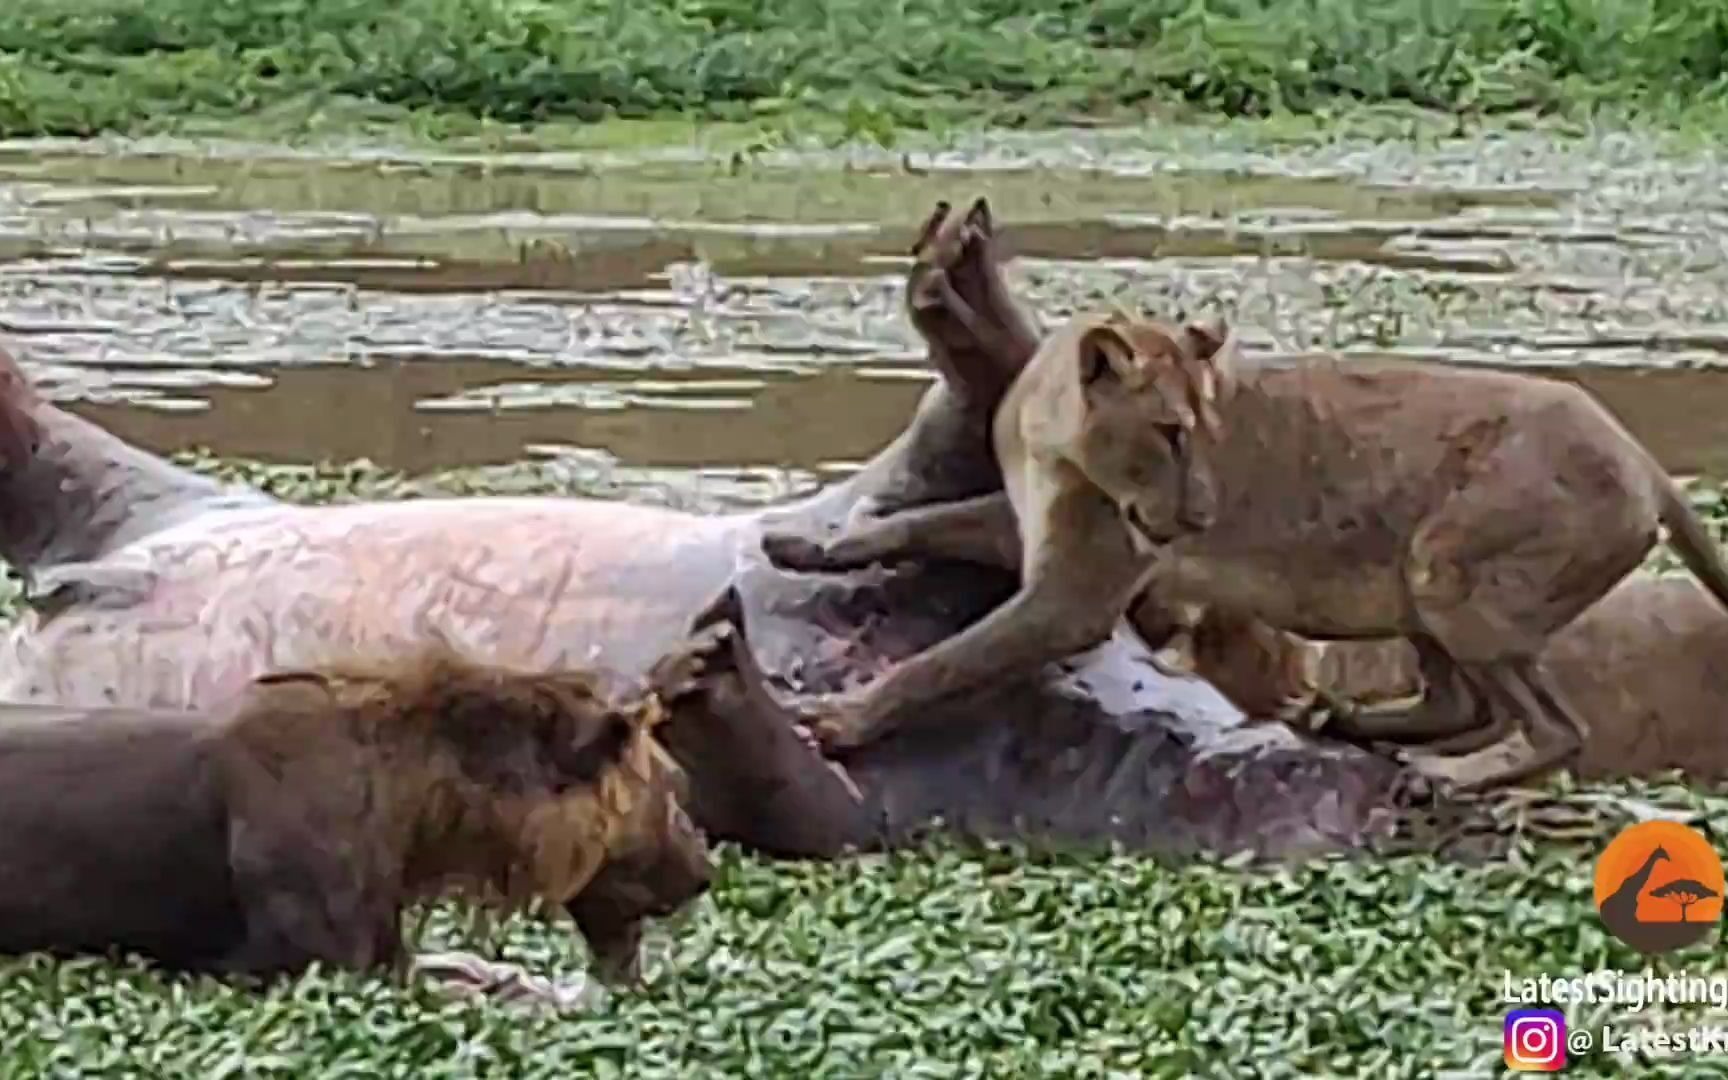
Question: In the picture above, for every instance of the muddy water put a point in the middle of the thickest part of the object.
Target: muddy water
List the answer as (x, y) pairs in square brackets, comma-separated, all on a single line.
[(676, 312), (420, 414)]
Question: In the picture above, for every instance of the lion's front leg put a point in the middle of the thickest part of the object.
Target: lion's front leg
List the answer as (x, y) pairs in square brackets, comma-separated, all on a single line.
[(1076, 585)]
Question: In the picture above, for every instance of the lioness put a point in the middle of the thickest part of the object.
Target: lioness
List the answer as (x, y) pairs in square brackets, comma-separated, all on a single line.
[(1473, 512)]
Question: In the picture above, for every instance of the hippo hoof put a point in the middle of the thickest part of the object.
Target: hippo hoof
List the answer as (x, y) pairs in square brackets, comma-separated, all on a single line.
[(791, 552)]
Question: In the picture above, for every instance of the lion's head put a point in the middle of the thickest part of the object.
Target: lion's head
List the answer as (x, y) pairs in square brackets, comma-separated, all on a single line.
[(523, 789), (1149, 395)]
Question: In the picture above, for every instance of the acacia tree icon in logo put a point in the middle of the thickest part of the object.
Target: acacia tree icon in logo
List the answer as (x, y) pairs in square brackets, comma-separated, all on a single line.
[(1685, 893), (1650, 879)]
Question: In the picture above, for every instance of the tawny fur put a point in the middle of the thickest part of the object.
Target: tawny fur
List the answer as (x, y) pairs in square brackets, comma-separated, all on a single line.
[(1475, 512), (1646, 666), (512, 837), (296, 825), (1076, 559)]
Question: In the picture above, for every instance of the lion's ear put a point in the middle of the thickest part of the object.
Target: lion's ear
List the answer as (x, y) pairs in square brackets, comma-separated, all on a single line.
[(1105, 358), (1215, 346), (1215, 356)]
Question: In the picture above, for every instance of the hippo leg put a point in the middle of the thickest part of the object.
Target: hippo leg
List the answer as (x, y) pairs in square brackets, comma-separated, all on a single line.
[(754, 777)]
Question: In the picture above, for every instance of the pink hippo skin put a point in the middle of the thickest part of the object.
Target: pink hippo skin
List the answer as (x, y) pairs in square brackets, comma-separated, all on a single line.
[(154, 586)]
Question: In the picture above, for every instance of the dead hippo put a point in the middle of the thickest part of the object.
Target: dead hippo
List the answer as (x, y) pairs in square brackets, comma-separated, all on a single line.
[(155, 587)]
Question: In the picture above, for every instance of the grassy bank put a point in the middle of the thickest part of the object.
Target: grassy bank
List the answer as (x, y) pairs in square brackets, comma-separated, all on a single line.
[(941, 963), (81, 66)]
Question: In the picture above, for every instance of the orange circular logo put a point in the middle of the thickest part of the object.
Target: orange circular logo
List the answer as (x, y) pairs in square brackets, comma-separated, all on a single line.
[(1659, 886)]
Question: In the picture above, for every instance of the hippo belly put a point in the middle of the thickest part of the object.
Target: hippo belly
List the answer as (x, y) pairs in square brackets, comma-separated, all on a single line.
[(187, 615)]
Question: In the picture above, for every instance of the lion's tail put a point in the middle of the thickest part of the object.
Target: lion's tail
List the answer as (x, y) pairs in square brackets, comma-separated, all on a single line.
[(1690, 539)]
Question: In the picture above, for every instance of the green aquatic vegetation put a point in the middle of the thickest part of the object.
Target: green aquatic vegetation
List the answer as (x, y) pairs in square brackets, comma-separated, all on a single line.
[(944, 962), (79, 66)]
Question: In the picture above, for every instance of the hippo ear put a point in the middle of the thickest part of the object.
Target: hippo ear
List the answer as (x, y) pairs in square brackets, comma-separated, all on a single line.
[(1106, 359)]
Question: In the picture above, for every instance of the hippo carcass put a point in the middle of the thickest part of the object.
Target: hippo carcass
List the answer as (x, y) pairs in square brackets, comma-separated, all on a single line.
[(155, 586)]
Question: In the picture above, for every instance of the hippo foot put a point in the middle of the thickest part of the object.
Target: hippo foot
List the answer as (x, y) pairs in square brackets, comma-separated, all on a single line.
[(742, 704)]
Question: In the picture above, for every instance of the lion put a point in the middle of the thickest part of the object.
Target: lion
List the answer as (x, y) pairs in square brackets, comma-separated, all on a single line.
[(1646, 667), (296, 824), (1475, 513)]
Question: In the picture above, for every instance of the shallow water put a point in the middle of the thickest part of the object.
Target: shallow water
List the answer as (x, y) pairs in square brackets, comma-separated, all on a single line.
[(676, 311)]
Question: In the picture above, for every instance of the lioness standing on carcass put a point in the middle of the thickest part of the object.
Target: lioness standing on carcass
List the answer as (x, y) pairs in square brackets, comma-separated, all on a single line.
[(1475, 513)]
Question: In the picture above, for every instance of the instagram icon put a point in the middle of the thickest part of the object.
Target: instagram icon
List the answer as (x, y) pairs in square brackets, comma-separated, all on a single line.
[(1535, 1040)]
